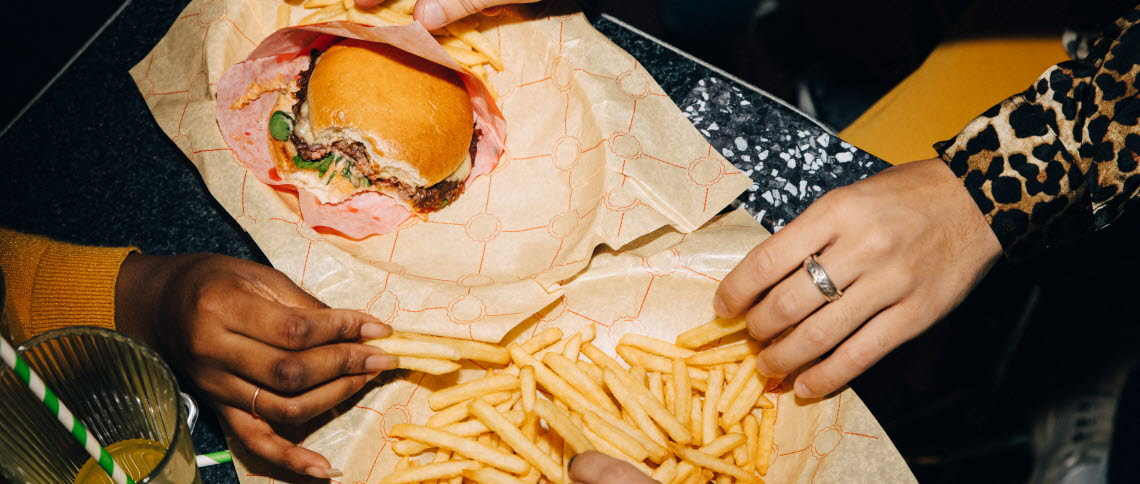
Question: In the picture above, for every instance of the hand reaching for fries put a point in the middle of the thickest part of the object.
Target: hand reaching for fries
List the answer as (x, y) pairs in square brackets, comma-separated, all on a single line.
[(259, 347), (434, 14), (905, 246)]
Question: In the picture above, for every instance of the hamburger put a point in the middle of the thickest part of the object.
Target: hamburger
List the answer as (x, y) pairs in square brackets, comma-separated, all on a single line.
[(367, 116)]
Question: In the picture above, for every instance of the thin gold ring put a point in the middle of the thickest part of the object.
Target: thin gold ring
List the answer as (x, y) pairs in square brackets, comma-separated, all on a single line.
[(253, 404)]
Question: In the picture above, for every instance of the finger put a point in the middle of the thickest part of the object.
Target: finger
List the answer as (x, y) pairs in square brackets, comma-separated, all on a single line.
[(797, 296), (820, 332), (368, 3), (290, 372), (879, 336), (770, 262), (434, 14), (594, 467), (297, 328), (287, 409), (257, 436)]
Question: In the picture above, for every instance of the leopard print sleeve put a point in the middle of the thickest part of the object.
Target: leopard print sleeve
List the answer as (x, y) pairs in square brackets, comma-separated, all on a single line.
[(1059, 159)]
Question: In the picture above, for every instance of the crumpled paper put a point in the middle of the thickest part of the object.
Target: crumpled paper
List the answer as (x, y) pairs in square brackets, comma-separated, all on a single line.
[(596, 155)]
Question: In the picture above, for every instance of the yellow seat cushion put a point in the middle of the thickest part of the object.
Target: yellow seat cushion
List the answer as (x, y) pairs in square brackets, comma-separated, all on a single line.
[(956, 83)]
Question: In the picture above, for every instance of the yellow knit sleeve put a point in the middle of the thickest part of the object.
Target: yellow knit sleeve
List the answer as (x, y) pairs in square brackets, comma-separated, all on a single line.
[(50, 284)]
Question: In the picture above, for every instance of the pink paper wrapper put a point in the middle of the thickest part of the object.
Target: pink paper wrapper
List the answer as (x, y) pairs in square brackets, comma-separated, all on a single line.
[(282, 56)]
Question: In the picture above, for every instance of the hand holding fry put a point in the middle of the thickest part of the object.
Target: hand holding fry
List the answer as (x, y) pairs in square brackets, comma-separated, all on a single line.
[(237, 329)]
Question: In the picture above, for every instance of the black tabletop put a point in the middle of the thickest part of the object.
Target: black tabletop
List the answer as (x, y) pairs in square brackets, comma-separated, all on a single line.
[(87, 163)]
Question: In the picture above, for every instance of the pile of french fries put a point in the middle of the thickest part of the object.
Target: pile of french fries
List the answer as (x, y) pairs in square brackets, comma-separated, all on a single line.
[(460, 39), (681, 412)]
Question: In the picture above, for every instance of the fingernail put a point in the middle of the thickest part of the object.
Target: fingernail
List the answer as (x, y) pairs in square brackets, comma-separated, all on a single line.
[(433, 16), (719, 307), (570, 463), (380, 362), (323, 472), (375, 330), (763, 369), (802, 390)]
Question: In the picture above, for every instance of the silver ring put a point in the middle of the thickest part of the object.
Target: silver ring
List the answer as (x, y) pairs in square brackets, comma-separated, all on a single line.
[(253, 403), (821, 280)]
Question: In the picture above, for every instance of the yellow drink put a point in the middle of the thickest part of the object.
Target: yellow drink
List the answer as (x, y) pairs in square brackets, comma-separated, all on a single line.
[(137, 457)]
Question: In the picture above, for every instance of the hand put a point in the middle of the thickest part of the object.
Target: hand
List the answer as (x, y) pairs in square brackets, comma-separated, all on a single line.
[(434, 14), (905, 246), (597, 468), (232, 326)]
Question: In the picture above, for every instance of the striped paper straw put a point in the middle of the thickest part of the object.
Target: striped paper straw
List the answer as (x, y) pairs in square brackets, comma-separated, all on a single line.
[(36, 384), (214, 458)]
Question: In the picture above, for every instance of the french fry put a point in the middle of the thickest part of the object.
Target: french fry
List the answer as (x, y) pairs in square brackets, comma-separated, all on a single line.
[(696, 428), (458, 412), (402, 463), (465, 57), (551, 381), (709, 411), (639, 358), (468, 428), (440, 470), (666, 471), (464, 29), (740, 454), (563, 426), (764, 440), (468, 350), (736, 383), (386, 15), (654, 346), (325, 14), (573, 347), (600, 358), (743, 404), (528, 387), (590, 370), (487, 475), (723, 479), (348, 4), (623, 441), (475, 388), (566, 369), (542, 340), (724, 354), (513, 437), (422, 349), (403, 6), (587, 333), (657, 452), (656, 387), (683, 391), (604, 446), (319, 3), (461, 446), (656, 411), (427, 365), (701, 459), (724, 444), (751, 434), (709, 332), (622, 392), (670, 393), (283, 14), (763, 401), (511, 402)]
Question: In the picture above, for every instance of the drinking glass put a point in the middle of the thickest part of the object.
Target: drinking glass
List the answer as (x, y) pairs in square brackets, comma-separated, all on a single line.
[(121, 390)]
